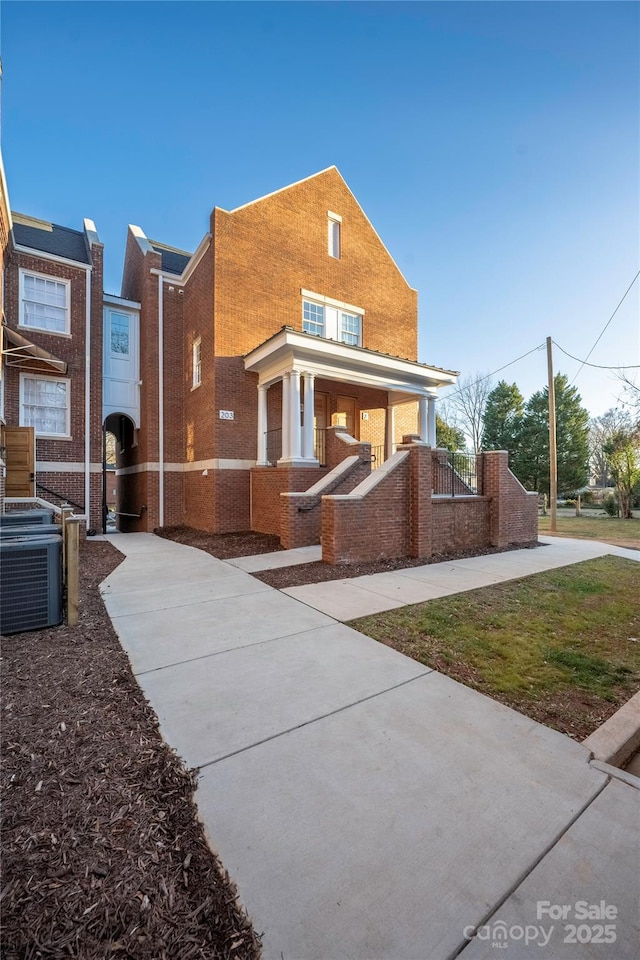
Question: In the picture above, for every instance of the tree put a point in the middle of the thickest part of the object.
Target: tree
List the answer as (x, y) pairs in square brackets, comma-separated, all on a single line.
[(448, 437), (503, 421), (601, 431), (623, 456), (572, 440), (467, 405)]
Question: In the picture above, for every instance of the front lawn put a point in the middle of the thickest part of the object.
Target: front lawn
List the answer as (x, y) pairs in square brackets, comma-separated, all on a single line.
[(623, 533), (562, 647)]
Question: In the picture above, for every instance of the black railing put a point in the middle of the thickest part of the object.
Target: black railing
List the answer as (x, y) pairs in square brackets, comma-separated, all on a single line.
[(456, 475), (320, 445), (274, 445), (59, 496), (377, 455)]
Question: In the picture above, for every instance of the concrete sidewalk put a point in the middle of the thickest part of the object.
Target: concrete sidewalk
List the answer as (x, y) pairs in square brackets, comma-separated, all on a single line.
[(369, 807)]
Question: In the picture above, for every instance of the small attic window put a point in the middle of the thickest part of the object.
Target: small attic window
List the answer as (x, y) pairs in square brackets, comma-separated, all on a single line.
[(334, 223)]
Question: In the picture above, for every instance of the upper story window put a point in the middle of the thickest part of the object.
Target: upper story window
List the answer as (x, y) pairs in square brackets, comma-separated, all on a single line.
[(350, 329), (332, 319), (119, 333), (197, 362), (44, 404), (44, 303), (313, 318), (334, 225)]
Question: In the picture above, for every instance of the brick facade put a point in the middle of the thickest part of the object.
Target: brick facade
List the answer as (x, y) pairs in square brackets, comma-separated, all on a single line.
[(65, 480)]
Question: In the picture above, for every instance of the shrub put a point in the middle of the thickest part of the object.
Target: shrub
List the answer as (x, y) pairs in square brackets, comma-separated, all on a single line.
[(610, 505)]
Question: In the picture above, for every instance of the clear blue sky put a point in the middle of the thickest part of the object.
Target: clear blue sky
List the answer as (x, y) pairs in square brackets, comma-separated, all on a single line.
[(494, 146)]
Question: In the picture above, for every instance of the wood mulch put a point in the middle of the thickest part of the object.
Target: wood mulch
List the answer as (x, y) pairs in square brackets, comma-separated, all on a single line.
[(103, 853), (226, 546)]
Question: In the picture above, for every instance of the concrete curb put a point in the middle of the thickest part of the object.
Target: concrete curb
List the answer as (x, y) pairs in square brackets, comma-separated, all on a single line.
[(619, 737)]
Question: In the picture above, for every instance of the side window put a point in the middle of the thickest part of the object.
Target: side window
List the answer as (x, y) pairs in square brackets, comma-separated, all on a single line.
[(44, 303), (197, 363)]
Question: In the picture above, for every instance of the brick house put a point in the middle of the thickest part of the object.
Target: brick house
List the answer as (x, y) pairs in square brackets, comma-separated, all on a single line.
[(290, 316), (52, 362)]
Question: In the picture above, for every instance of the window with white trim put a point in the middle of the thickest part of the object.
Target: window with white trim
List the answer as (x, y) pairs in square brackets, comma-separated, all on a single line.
[(332, 322), (350, 329), (313, 318), (197, 362), (44, 303), (45, 405), (333, 239)]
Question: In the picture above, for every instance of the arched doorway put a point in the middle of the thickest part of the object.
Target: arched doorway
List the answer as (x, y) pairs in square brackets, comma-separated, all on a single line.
[(118, 435)]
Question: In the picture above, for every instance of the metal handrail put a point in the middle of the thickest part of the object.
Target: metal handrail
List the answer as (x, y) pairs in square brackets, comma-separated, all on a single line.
[(54, 493)]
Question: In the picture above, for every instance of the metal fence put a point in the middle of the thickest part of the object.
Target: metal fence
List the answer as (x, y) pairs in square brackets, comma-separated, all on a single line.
[(377, 456), (456, 475)]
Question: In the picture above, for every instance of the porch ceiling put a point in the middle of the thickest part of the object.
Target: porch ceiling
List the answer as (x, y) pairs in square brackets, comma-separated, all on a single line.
[(292, 350)]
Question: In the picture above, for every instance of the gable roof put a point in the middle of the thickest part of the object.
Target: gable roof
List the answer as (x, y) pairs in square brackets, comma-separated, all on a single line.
[(322, 173), (173, 259), (49, 238)]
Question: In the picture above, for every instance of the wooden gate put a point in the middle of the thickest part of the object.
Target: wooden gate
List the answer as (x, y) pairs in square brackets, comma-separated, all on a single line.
[(20, 457)]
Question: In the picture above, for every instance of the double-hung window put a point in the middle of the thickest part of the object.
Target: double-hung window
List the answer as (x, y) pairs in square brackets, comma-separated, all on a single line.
[(44, 303), (332, 319), (313, 318), (196, 363), (45, 404)]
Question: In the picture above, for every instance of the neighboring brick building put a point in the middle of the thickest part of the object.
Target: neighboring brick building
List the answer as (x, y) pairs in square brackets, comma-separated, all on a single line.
[(52, 364), (290, 316)]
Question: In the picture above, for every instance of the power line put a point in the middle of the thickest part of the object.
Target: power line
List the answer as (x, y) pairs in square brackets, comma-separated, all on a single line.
[(487, 375), (598, 366), (604, 328)]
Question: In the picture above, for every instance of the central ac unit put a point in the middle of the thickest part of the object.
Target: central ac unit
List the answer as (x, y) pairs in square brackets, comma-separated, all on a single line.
[(30, 583), (25, 518)]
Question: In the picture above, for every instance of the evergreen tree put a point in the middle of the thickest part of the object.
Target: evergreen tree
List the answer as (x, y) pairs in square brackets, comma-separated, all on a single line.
[(572, 440), (503, 422), (448, 437)]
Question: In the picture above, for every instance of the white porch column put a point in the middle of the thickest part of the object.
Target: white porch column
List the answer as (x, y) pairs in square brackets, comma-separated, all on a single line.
[(390, 431), (294, 415), (262, 426), (422, 419), (431, 426), (285, 417), (308, 446)]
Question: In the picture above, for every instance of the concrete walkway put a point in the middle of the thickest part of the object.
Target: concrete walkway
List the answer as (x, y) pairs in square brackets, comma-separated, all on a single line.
[(369, 807)]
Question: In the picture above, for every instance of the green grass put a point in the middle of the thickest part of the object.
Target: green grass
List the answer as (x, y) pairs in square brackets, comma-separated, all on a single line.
[(595, 528), (559, 636)]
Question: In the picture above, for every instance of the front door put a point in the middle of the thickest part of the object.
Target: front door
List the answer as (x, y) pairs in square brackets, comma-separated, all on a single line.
[(345, 415), (21, 461)]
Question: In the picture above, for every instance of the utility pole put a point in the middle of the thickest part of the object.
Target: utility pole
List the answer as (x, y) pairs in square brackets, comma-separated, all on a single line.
[(553, 454)]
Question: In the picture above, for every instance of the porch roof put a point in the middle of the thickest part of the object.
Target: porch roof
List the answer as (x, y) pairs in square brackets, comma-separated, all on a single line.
[(291, 349), (22, 352)]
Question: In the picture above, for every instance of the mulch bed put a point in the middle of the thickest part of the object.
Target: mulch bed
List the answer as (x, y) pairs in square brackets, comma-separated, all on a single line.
[(226, 546), (319, 572), (103, 853)]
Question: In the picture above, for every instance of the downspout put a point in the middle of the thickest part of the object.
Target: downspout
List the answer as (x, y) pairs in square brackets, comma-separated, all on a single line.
[(160, 402), (87, 398)]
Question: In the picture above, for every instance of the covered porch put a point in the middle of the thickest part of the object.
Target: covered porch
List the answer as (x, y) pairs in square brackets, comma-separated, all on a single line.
[(307, 383)]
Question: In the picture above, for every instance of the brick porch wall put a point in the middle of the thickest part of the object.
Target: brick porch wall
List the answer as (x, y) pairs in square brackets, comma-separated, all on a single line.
[(267, 483), (394, 514)]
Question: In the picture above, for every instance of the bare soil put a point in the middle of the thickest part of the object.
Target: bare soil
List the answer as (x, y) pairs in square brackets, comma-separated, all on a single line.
[(224, 546), (103, 853)]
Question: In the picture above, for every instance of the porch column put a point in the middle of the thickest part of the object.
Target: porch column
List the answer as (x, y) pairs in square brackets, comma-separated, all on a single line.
[(308, 446), (390, 431), (422, 419), (294, 415), (262, 426), (285, 417), (431, 426)]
